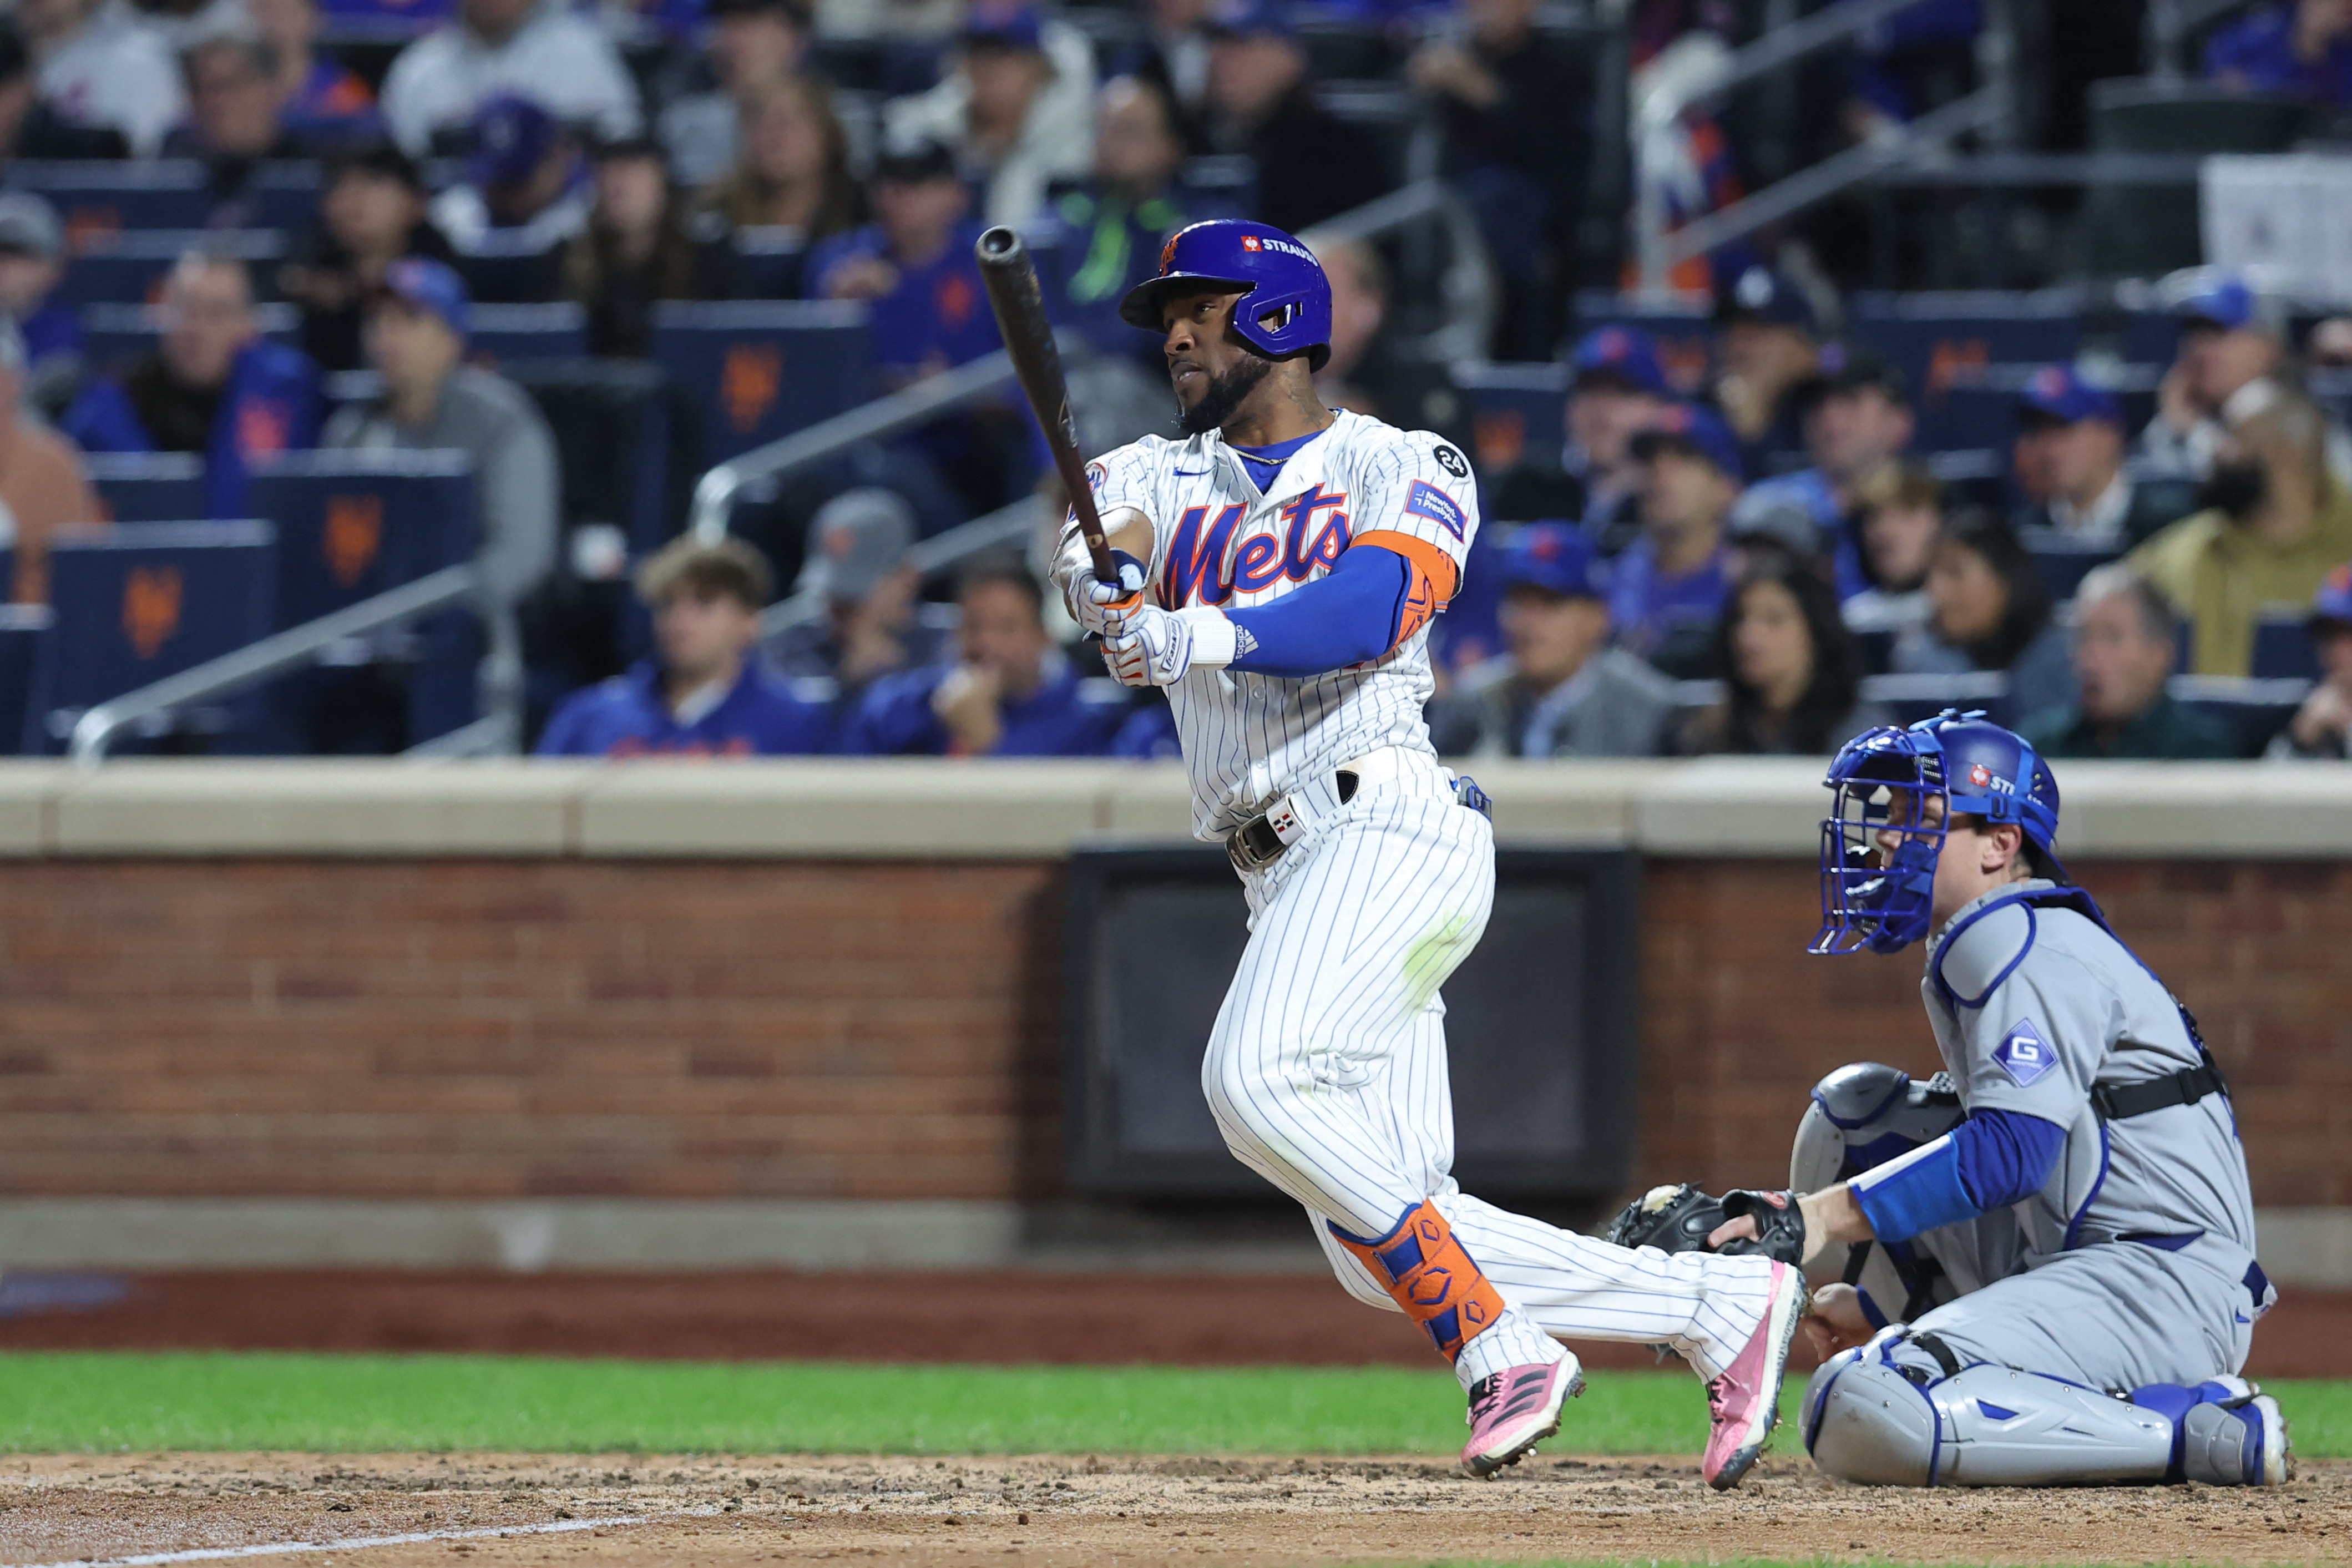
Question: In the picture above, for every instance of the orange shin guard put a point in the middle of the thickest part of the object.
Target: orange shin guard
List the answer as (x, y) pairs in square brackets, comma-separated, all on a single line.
[(1425, 1269)]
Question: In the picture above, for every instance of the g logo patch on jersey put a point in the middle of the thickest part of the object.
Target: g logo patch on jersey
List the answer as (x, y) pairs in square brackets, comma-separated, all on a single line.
[(2024, 1055)]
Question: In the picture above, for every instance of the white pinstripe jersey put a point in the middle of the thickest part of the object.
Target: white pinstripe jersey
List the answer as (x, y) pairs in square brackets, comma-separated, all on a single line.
[(1249, 739)]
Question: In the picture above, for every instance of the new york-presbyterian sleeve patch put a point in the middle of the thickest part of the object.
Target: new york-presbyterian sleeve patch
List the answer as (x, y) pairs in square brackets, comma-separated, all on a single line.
[(1426, 500), (2024, 1054)]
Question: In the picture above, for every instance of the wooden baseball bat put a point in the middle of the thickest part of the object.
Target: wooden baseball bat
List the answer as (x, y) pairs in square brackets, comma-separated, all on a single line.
[(1020, 306)]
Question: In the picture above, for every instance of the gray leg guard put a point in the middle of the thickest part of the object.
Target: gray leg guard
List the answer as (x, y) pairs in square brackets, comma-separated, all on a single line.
[(1885, 1414)]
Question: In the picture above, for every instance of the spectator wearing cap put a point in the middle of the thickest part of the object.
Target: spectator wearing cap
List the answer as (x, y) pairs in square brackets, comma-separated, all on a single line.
[(31, 128), (704, 693), (861, 565), (1310, 165), (319, 99), (32, 265), (751, 47), (1790, 682), (914, 264), (2297, 48), (105, 66), (1116, 218), (1513, 101), (1617, 390), (1559, 689), (527, 189), (1857, 418), (2322, 727), (2126, 645), (542, 49), (1988, 610), (2229, 342), (371, 213), (793, 173), (214, 386), (2072, 431), (637, 249), (43, 485), (1670, 582), (417, 328), (1007, 692), (1898, 519), (1769, 339), (2276, 519), (1017, 108)]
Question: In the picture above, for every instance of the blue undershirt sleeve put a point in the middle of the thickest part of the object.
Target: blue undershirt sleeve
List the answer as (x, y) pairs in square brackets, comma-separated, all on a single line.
[(1990, 1161), (1347, 616)]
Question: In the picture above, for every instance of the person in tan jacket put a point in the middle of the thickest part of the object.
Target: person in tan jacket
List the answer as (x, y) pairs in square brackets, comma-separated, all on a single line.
[(43, 487), (2275, 519)]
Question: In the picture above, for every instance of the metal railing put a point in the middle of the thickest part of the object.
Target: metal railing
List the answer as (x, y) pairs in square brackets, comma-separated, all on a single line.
[(95, 732), (2171, 24), (1656, 135)]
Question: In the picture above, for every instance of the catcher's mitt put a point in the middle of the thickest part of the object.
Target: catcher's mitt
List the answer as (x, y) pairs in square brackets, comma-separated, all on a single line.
[(1681, 1218), (1672, 1219)]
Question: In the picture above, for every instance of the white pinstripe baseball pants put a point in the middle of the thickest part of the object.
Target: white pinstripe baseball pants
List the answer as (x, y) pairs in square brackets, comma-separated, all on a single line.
[(1325, 1070)]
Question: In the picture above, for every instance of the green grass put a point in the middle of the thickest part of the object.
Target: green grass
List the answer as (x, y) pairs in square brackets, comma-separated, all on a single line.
[(83, 1402)]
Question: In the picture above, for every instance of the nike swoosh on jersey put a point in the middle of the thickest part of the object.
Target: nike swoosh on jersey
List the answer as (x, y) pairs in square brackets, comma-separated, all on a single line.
[(1190, 473)]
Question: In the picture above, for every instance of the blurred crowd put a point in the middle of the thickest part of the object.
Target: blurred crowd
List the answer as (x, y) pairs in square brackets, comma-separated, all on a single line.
[(1731, 552)]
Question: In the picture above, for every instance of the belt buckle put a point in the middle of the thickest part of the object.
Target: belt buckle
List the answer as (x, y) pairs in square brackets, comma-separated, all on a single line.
[(1259, 841)]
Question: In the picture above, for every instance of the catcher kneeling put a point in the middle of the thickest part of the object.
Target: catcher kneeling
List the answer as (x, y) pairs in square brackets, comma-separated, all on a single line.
[(2037, 1266)]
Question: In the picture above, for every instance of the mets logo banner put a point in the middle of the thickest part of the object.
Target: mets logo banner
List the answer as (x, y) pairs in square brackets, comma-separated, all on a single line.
[(749, 382), (354, 536), (150, 607)]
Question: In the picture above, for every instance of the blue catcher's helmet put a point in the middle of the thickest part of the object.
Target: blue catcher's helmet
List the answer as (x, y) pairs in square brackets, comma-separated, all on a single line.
[(1880, 902), (1284, 282)]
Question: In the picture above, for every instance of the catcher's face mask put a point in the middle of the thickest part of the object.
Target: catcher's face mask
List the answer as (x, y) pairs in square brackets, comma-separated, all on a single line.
[(1879, 844)]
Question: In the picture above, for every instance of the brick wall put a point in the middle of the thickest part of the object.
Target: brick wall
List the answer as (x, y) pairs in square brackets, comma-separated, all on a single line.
[(485, 1029)]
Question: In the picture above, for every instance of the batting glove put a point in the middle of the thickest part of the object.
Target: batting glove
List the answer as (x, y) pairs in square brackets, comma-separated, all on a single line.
[(1105, 610), (1159, 646)]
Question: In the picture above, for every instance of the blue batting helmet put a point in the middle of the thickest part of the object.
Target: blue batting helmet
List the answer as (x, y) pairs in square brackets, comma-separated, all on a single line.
[(1880, 901), (1288, 307)]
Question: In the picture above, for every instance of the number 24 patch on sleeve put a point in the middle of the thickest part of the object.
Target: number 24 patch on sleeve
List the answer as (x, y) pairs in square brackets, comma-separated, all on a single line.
[(2024, 1055), (1426, 500)]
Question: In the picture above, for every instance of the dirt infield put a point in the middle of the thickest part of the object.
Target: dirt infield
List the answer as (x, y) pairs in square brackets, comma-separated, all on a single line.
[(1002, 1318), (1057, 1511)]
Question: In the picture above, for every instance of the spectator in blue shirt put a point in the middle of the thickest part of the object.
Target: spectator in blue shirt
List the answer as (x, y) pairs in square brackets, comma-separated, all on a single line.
[(703, 694), (2301, 50), (1858, 420), (914, 264), (1669, 583), (214, 386), (32, 265), (1008, 694)]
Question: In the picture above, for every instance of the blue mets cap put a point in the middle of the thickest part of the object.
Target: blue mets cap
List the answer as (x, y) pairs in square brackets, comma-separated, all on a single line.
[(1625, 354), (512, 136), (2229, 304), (1005, 25), (1696, 428), (426, 285), (2059, 392), (1555, 556), (1760, 294), (2332, 603)]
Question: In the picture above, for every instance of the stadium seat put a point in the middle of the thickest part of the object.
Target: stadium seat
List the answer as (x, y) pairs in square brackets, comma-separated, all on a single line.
[(128, 268), (149, 487), (513, 278), (1944, 341), (1513, 408), (613, 421), (351, 525), (26, 635), (502, 333), (115, 337), (95, 198), (2253, 709), (139, 602), (2283, 650), (2064, 562), (757, 370), (764, 263)]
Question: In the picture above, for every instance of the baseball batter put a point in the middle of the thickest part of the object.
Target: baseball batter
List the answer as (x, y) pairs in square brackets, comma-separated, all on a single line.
[(2047, 1257), (1279, 567)]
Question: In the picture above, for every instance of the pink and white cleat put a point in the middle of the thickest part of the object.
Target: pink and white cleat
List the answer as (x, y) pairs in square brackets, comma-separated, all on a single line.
[(1514, 1409), (1745, 1402)]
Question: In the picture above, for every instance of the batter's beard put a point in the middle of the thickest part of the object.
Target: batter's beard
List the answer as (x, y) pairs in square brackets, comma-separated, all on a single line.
[(1224, 397)]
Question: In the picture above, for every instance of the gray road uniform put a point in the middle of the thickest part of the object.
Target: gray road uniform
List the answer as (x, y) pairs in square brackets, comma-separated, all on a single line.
[(2129, 1271)]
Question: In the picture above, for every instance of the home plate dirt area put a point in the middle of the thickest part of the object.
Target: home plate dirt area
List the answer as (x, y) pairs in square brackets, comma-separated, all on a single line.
[(388, 1510)]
